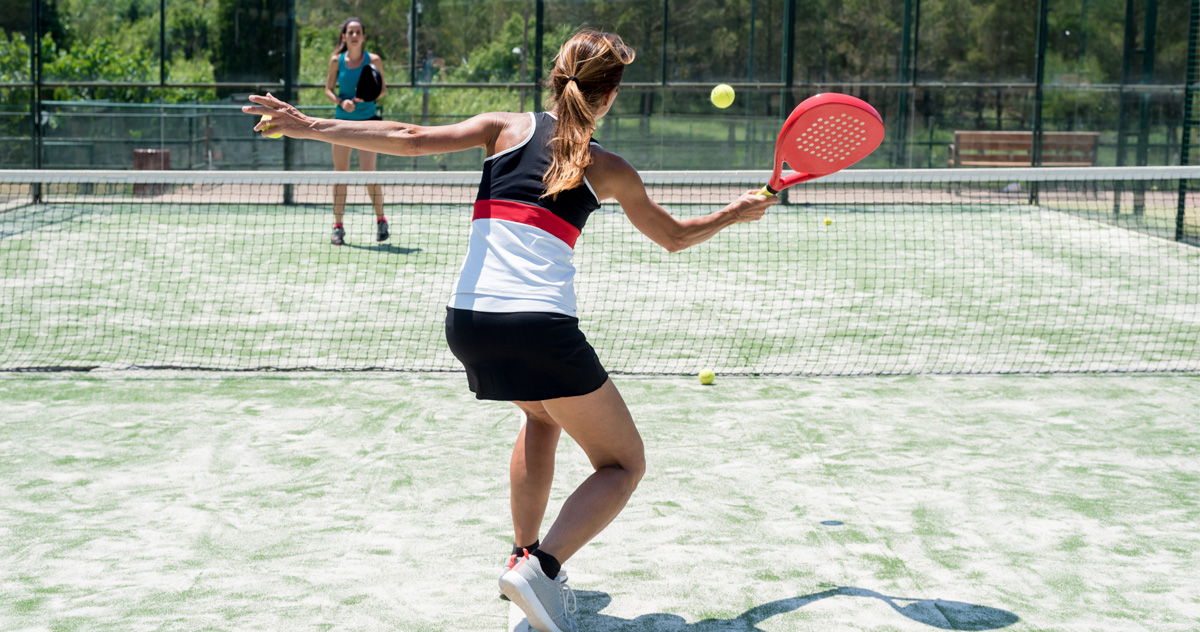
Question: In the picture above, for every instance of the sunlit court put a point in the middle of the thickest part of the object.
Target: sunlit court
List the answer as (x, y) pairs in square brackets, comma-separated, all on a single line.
[(945, 408), (634, 316)]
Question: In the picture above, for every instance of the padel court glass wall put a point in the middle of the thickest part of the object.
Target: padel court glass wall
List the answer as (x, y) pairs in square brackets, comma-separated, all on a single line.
[(86, 83)]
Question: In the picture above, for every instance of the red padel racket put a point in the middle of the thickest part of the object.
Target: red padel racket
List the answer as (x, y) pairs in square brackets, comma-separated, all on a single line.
[(824, 134)]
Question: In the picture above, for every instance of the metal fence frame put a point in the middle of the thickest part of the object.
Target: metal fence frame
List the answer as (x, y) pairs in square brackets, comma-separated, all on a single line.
[(1131, 94)]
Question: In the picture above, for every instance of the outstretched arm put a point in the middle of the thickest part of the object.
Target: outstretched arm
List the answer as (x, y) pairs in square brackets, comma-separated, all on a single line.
[(384, 137), (612, 177)]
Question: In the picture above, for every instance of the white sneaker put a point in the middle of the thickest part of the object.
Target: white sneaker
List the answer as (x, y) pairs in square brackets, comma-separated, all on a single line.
[(508, 566), (547, 603)]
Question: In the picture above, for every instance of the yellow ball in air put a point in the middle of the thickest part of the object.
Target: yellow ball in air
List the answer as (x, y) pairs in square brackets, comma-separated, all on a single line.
[(722, 96)]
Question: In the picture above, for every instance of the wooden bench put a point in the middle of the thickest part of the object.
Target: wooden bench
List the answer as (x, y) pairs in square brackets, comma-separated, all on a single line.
[(1015, 149)]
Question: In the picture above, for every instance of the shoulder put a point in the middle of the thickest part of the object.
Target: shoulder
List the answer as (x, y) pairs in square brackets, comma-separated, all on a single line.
[(375, 59), (606, 163), (610, 173), (335, 58), (512, 128)]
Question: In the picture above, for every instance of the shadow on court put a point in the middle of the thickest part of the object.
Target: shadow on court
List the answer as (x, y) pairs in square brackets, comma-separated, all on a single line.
[(388, 248), (936, 613)]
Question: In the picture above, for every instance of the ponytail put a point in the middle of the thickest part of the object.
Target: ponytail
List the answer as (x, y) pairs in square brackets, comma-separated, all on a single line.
[(588, 68)]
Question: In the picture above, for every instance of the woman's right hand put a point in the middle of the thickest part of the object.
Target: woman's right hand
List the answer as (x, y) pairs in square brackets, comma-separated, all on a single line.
[(347, 105), (750, 206)]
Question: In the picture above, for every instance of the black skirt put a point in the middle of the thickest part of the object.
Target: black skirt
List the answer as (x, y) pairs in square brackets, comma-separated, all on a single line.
[(523, 356)]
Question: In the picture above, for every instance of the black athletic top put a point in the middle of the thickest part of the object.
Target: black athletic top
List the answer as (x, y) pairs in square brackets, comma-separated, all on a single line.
[(515, 175), (519, 258)]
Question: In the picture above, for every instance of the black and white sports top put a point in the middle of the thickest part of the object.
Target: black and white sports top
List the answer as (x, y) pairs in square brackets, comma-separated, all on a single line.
[(521, 245)]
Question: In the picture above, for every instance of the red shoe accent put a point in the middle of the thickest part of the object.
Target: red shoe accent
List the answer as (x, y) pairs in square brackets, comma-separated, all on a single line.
[(526, 552)]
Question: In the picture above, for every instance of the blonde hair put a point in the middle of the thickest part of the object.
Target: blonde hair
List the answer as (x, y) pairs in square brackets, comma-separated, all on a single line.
[(589, 66)]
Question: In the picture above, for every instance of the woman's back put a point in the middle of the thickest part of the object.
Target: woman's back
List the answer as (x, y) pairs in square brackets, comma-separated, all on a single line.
[(522, 241)]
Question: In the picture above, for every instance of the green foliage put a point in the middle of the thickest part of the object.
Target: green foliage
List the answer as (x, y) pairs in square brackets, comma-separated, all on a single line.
[(127, 24), (496, 61), (251, 36), (189, 27), (16, 18), (14, 58), (99, 60)]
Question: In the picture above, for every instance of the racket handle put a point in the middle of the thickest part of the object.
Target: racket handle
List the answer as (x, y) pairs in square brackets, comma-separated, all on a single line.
[(767, 190)]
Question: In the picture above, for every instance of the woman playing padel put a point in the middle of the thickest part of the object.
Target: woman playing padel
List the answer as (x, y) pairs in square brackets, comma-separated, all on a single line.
[(512, 319)]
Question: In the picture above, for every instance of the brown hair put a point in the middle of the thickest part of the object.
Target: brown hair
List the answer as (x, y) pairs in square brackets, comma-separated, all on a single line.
[(341, 45), (588, 67)]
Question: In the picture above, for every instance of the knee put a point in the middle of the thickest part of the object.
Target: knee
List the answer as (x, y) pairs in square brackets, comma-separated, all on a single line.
[(635, 466)]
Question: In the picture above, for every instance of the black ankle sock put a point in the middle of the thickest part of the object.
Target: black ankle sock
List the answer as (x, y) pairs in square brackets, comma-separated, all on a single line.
[(517, 550), (550, 566)]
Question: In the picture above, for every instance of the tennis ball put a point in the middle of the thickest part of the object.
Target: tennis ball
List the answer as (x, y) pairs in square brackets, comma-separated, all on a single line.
[(828, 221), (722, 96), (707, 376), (267, 117)]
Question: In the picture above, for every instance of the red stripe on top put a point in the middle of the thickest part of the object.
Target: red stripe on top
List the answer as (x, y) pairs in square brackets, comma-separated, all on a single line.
[(528, 215)]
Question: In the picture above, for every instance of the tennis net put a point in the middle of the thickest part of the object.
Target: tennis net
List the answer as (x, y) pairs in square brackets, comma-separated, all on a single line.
[(862, 272)]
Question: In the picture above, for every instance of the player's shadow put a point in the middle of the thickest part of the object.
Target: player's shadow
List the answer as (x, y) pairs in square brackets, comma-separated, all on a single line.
[(937, 613), (388, 248)]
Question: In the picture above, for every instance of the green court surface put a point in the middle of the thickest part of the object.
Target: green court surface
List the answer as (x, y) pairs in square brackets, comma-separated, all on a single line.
[(206, 501)]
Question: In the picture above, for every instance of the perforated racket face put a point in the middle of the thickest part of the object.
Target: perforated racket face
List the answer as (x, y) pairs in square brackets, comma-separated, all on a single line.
[(824, 134)]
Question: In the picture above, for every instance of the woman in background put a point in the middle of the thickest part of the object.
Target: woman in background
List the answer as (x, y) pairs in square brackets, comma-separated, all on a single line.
[(345, 69)]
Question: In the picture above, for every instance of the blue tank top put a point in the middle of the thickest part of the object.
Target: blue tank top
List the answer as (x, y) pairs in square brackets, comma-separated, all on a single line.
[(348, 86)]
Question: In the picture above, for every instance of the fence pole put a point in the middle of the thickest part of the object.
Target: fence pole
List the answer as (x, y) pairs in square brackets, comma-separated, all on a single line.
[(1191, 77), (539, 34), (289, 89), (35, 98), (162, 43), (900, 135)]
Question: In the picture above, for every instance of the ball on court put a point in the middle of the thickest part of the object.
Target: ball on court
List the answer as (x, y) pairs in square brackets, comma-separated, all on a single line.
[(828, 221), (722, 96), (267, 117), (707, 376)]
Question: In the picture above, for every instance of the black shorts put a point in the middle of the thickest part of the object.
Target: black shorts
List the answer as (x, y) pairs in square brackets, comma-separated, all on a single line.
[(524, 356)]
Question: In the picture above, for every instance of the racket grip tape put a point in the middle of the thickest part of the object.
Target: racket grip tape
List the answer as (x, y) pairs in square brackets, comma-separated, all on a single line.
[(767, 190)]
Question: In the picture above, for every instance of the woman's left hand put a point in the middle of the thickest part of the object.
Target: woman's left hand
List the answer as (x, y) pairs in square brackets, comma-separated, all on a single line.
[(285, 118)]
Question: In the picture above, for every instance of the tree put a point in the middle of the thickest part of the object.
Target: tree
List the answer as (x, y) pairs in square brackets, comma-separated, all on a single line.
[(250, 41)]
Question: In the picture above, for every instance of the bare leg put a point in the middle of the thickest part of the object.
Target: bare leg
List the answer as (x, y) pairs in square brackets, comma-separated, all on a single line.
[(341, 162), (366, 162), (601, 424), (531, 472)]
